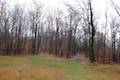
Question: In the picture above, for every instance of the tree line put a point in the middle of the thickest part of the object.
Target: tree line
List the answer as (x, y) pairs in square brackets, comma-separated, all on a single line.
[(64, 34)]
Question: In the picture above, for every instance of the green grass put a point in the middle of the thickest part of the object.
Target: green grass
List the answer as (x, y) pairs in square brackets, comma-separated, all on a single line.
[(51, 68)]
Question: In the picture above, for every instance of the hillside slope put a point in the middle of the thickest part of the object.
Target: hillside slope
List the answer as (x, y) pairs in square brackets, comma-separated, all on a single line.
[(51, 68)]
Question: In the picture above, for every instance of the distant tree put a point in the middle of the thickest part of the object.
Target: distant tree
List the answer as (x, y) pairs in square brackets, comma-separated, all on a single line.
[(3, 24), (114, 31), (58, 17), (35, 15)]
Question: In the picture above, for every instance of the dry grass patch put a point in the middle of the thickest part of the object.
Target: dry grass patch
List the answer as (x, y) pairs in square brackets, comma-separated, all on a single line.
[(43, 74), (9, 74), (12, 61), (113, 71), (36, 73)]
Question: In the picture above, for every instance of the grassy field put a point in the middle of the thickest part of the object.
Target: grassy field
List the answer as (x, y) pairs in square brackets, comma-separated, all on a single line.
[(50, 68)]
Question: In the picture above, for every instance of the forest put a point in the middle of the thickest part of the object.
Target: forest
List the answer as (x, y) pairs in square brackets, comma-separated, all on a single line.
[(76, 42), (63, 34)]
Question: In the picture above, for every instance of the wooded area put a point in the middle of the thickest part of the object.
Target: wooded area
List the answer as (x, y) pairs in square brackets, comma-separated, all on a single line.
[(31, 31)]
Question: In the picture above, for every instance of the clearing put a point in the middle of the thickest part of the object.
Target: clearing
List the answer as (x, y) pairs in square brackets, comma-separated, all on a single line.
[(51, 68)]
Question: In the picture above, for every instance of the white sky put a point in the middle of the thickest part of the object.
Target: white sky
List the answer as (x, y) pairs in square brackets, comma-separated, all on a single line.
[(100, 6), (48, 3), (56, 3)]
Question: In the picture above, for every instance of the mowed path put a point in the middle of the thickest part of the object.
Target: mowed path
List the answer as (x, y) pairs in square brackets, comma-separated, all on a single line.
[(51, 68)]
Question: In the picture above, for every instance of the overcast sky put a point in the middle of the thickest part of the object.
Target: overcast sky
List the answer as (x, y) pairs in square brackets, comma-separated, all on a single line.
[(100, 6), (58, 3)]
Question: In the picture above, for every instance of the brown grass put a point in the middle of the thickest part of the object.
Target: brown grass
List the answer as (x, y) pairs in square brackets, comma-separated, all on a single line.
[(9, 74), (113, 71), (36, 73)]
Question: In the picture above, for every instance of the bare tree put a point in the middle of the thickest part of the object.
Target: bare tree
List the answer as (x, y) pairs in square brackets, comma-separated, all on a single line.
[(92, 31), (58, 18), (4, 26), (116, 7), (35, 19), (114, 31), (91, 24)]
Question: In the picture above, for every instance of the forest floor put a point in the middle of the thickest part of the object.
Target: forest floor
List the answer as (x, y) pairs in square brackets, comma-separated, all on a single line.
[(51, 68)]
